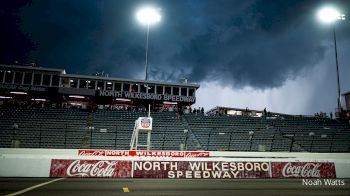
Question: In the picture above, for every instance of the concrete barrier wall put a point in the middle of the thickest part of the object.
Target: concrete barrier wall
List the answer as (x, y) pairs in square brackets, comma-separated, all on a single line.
[(174, 164), (25, 167)]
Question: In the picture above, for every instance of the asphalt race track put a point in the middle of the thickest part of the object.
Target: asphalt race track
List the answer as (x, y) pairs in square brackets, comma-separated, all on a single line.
[(165, 187)]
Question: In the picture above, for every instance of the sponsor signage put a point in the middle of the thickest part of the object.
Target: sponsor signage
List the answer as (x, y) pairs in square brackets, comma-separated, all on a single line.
[(90, 168), (22, 87), (303, 170), (146, 96), (143, 153), (200, 169), (189, 169)]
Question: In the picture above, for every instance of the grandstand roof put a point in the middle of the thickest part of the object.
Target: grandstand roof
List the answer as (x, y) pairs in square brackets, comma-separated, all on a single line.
[(195, 85), (62, 71), (347, 93), (250, 110)]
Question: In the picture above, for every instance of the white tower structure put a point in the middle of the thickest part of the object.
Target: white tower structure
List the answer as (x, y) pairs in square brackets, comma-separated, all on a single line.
[(143, 125)]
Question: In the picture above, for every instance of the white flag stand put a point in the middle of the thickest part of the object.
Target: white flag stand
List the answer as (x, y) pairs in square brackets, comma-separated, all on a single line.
[(142, 125)]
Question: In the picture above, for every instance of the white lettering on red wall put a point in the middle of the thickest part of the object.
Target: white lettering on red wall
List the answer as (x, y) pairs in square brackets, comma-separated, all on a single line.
[(143, 153), (187, 169), (200, 169), (196, 154), (90, 168), (303, 170), (91, 153)]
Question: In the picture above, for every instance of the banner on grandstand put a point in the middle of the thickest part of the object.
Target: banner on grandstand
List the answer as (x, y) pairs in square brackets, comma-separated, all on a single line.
[(200, 169), (145, 96), (303, 170), (143, 153), (22, 87), (90, 168)]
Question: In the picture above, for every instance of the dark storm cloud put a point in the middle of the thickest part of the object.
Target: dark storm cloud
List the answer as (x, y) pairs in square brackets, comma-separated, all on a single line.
[(15, 44), (258, 43), (82, 36)]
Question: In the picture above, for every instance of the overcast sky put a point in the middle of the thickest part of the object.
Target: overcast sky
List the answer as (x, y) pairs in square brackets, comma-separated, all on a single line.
[(251, 53)]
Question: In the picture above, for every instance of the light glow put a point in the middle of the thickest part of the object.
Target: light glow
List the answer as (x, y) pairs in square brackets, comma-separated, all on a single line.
[(148, 16), (38, 99), (220, 133), (169, 103), (4, 97), (75, 103), (121, 99), (77, 96), (329, 15), (18, 93)]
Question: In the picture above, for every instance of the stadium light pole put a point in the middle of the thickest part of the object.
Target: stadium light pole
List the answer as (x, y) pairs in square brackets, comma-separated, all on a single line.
[(330, 15), (147, 16)]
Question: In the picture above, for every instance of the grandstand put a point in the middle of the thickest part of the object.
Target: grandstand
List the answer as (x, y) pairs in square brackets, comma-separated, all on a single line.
[(104, 129), (47, 108)]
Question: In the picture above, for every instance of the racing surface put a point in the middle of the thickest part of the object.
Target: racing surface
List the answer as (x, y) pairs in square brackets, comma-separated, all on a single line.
[(165, 187)]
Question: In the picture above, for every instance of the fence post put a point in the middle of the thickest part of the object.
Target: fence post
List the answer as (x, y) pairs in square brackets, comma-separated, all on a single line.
[(229, 144), (163, 141), (331, 146), (208, 140), (65, 137), (116, 136), (186, 138), (291, 145), (251, 137), (90, 137), (272, 141), (312, 142), (40, 136), (65, 133)]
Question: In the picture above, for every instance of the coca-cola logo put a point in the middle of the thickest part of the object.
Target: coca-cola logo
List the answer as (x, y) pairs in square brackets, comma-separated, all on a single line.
[(91, 153), (308, 170), (85, 169), (197, 154)]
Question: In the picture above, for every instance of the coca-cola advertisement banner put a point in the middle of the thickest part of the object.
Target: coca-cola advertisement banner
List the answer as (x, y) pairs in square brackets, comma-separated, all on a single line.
[(143, 153), (200, 169), (303, 170), (90, 168), (190, 169)]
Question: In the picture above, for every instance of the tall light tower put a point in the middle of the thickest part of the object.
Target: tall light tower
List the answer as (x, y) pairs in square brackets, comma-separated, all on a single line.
[(147, 16), (330, 15)]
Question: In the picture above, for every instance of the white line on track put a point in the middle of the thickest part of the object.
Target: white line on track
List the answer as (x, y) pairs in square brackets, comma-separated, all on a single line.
[(34, 187)]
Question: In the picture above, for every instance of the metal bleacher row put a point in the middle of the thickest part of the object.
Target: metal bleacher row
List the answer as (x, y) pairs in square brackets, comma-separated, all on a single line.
[(281, 133), (104, 129), (238, 133)]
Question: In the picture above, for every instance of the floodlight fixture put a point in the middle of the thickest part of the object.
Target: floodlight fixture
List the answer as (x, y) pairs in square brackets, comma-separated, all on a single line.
[(148, 16), (330, 14)]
